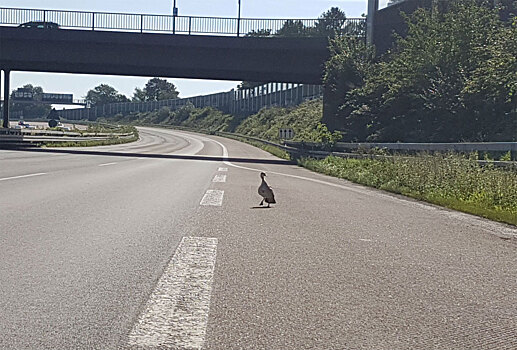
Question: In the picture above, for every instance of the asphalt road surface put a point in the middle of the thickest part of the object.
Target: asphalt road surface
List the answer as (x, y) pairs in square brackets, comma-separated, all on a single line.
[(160, 244)]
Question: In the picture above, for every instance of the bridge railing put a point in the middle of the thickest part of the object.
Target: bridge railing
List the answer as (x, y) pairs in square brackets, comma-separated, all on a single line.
[(180, 24)]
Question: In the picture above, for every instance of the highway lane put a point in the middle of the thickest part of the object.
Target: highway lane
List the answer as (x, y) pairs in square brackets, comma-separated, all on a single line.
[(89, 249), (82, 245)]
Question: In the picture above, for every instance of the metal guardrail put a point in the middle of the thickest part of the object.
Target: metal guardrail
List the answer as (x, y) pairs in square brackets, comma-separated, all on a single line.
[(24, 137), (147, 23), (296, 149), (299, 149), (420, 146)]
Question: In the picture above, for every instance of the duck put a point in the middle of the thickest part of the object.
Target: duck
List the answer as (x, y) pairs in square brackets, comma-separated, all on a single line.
[(266, 192)]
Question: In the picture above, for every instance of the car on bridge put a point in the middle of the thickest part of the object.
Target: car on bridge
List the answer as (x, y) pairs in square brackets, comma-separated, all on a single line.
[(39, 25)]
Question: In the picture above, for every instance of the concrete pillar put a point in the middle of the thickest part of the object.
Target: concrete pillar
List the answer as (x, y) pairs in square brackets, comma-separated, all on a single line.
[(5, 122), (373, 6), (2, 106)]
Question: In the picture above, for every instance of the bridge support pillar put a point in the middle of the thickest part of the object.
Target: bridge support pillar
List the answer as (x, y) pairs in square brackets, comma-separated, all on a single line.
[(5, 122)]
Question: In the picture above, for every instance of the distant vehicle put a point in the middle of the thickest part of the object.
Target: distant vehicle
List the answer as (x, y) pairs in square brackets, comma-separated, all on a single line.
[(25, 125), (39, 25)]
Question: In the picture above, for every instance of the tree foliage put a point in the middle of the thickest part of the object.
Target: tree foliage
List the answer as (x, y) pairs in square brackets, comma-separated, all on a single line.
[(103, 94), (293, 28), (453, 78), (330, 23), (27, 109), (156, 89)]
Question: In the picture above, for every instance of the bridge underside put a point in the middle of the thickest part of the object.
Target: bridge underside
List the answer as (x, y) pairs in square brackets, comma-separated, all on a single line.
[(296, 60)]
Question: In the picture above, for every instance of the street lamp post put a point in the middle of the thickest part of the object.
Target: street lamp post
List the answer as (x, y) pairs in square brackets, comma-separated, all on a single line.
[(373, 6), (239, 19), (174, 15)]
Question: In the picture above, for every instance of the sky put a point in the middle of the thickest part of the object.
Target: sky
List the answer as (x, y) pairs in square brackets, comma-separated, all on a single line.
[(79, 84)]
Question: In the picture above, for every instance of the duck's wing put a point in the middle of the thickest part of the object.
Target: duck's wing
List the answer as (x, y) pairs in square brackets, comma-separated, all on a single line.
[(266, 192)]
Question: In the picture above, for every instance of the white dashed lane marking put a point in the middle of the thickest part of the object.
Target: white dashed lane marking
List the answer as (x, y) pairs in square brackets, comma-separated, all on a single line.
[(21, 176), (222, 169), (106, 164), (213, 197), (219, 178), (176, 314)]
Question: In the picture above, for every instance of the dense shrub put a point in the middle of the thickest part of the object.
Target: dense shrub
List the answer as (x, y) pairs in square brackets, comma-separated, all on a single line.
[(452, 79)]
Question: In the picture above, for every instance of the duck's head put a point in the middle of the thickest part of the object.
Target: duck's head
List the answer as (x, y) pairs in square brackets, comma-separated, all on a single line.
[(262, 175)]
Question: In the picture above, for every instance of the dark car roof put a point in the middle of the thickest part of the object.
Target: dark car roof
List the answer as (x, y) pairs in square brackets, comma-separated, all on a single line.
[(39, 24)]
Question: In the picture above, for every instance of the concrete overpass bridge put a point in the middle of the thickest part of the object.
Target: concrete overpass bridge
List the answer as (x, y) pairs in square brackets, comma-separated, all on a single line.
[(149, 45)]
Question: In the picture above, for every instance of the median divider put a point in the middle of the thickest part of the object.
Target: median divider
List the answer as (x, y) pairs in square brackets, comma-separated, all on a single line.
[(29, 137)]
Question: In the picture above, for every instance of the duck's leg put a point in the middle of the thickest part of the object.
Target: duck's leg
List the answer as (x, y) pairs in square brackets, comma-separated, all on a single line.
[(262, 202)]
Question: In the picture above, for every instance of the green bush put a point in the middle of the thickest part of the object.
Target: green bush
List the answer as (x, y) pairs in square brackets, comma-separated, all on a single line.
[(452, 79)]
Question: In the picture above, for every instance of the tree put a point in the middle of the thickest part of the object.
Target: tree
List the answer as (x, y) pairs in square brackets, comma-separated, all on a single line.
[(259, 33), (292, 28), (28, 109), (103, 94), (330, 23), (156, 89), (346, 70), (451, 79)]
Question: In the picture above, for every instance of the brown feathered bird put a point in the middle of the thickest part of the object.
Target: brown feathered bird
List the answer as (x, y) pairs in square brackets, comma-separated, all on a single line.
[(266, 192)]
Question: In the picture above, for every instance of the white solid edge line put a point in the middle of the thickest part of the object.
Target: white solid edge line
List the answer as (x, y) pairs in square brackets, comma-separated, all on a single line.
[(488, 226), (21, 176)]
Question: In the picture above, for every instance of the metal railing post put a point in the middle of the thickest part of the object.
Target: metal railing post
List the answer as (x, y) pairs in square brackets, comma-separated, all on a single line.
[(93, 20), (44, 15), (239, 20), (5, 122), (189, 24), (141, 23)]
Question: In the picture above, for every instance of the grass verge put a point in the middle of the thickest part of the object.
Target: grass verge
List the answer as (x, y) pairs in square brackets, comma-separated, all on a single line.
[(98, 128), (91, 143), (448, 180)]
